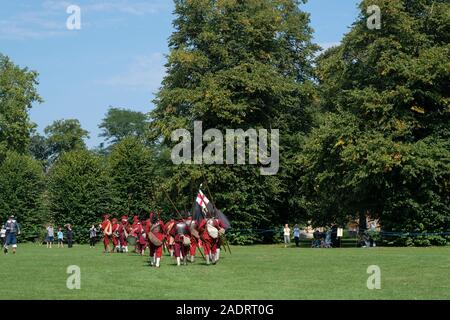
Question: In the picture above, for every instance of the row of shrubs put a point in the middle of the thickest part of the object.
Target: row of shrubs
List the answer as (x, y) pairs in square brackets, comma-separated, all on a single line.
[(275, 235)]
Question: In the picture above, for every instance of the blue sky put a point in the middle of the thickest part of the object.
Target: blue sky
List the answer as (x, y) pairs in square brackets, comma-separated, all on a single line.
[(117, 58)]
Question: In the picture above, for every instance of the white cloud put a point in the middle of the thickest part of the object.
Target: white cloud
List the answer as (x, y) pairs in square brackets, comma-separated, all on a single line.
[(49, 18), (122, 6), (143, 72), (30, 25), (130, 7), (11, 31), (55, 5)]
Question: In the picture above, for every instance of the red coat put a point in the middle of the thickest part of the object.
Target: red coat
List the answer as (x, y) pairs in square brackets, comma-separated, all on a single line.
[(167, 229), (162, 229), (125, 228), (219, 224), (116, 230), (204, 232), (147, 225), (106, 226), (140, 233), (135, 229)]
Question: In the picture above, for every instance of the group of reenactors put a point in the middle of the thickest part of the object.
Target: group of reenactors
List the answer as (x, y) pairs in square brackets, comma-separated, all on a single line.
[(181, 237)]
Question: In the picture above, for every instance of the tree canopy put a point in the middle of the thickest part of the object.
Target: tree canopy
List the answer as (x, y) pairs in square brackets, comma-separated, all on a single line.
[(17, 95), (65, 135), (79, 191), (236, 64), (121, 123), (382, 144)]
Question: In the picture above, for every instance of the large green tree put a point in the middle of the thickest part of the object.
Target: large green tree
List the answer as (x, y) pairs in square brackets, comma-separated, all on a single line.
[(79, 191), (22, 185), (121, 123), (133, 177), (64, 136), (383, 143), (17, 95), (237, 64)]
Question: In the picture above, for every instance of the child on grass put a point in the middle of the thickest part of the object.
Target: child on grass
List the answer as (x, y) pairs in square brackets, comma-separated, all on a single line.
[(60, 238)]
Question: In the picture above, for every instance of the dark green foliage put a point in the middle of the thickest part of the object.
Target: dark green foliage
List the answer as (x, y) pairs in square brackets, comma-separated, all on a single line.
[(22, 187), (383, 143), (121, 123), (134, 182), (79, 191), (64, 136), (17, 94), (237, 64)]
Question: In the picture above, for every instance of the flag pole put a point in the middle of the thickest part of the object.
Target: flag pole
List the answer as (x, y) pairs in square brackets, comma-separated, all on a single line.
[(209, 192), (167, 195)]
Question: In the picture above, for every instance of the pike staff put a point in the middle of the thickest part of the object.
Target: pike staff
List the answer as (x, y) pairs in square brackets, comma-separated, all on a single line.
[(173, 204)]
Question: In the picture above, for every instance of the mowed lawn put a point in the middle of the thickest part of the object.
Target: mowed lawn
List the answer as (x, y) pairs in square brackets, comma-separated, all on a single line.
[(254, 272)]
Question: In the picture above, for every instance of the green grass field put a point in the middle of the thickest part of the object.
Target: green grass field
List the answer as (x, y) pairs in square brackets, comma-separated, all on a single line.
[(254, 272)]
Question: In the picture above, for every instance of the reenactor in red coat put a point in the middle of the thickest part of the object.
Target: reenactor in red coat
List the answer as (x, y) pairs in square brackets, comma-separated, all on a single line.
[(219, 224), (135, 228), (182, 237), (170, 241), (142, 237), (123, 234), (115, 235), (156, 238), (195, 237), (209, 232), (106, 226)]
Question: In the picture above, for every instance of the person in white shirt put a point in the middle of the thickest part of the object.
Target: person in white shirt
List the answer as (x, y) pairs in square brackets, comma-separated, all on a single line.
[(3, 236), (50, 236), (287, 235)]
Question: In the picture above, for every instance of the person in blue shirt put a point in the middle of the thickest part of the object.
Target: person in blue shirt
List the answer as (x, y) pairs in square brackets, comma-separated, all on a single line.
[(297, 235), (60, 238), (12, 228)]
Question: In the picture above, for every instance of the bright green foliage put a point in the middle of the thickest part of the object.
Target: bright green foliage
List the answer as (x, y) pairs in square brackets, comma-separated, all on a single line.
[(384, 144), (133, 179), (236, 64), (22, 193), (121, 123), (17, 94), (64, 136), (39, 148), (79, 191)]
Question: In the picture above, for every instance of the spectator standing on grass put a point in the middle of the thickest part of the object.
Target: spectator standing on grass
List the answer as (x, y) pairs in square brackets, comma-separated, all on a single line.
[(297, 235), (287, 235), (50, 236), (316, 235), (69, 235), (3, 236), (92, 236), (60, 238), (12, 230)]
